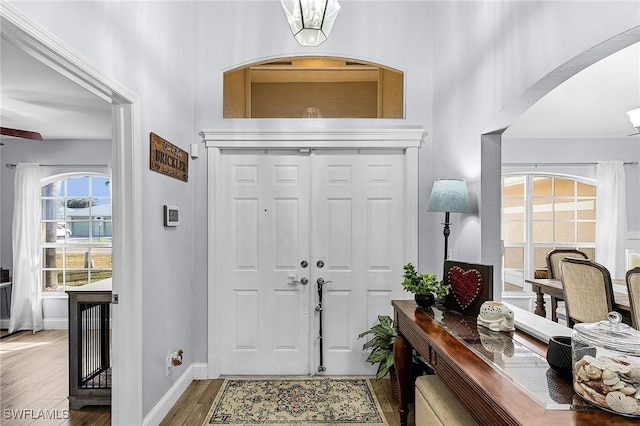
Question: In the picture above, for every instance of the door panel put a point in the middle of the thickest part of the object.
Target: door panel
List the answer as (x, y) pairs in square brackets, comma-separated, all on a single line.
[(262, 240), (357, 230)]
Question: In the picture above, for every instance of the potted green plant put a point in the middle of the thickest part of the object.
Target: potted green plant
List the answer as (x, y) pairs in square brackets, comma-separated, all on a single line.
[(425, 287), (383, 336)]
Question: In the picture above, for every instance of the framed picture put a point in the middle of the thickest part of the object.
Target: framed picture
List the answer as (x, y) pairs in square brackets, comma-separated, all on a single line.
[(171, 215)]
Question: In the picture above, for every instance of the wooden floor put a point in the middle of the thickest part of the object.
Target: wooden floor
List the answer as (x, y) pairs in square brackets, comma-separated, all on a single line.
[(34, 383)]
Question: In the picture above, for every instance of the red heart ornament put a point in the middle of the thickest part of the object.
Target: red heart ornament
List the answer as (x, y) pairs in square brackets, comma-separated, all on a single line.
[(465, 285)]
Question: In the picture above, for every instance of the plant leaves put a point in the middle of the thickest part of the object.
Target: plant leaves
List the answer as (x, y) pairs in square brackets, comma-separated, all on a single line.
[(384, 367), (364, 333), (379, 355), (385, 320), (380, 341)]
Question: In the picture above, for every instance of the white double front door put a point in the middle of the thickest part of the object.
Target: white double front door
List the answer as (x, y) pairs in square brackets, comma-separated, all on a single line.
[(287, 219)]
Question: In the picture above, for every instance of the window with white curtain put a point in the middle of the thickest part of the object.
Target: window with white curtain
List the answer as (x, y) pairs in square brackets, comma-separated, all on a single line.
[(76, 231), (540, 213)]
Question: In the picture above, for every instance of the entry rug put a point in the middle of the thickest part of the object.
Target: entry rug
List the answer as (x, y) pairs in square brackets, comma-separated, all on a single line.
[(296, 401)]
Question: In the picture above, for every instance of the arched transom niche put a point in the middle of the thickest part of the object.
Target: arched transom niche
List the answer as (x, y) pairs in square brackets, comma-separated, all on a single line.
[(313, 87)]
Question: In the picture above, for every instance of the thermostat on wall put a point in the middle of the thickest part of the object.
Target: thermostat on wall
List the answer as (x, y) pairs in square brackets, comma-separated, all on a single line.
[(171, 215)]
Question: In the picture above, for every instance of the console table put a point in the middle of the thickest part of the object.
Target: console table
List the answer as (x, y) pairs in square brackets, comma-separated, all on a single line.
[(500, 378)]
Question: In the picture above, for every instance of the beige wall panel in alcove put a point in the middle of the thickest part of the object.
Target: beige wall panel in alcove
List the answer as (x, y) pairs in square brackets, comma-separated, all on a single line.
[(392, 91), (234, 94), (334, 100)]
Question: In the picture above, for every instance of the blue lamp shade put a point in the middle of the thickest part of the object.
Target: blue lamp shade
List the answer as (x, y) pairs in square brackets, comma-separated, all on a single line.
[(311, 20), (449, 195)]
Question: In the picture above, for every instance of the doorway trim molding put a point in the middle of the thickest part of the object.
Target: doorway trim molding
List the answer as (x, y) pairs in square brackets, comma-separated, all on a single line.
[(491, 142), (126, 159), (407, 139)]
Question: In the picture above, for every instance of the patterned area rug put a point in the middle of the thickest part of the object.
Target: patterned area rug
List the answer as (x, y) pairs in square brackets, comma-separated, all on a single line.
[(296, 401)]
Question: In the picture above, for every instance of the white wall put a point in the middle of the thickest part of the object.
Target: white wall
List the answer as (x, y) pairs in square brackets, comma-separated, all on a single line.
[(463, 61)]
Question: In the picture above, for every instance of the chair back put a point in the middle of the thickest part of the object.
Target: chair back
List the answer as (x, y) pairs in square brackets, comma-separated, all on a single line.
[(556, 255), (587, 288), (633, 287)]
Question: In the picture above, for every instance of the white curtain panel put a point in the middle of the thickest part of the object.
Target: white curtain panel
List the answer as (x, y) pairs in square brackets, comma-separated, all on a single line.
[(26, 294), (611, 217)]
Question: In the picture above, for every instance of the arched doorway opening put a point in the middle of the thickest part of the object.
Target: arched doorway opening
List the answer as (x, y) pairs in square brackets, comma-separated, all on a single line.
[(491, 142)]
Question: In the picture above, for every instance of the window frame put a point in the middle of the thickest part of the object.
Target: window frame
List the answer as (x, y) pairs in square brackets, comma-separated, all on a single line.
[(528, 245), (88, 246)]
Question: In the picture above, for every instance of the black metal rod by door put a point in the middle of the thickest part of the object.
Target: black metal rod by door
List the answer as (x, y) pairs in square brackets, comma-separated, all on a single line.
[(320, 282)]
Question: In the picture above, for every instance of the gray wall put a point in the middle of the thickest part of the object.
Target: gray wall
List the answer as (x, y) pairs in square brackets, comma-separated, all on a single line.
[(464, 62)]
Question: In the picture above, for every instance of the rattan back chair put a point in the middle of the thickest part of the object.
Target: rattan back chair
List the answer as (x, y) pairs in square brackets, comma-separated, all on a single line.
[(587, 288), (633, 287), (556, 255), (553, 272)]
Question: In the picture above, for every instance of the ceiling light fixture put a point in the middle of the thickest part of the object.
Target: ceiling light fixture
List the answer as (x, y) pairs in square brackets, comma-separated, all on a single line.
[(311, 20), (634, 116)]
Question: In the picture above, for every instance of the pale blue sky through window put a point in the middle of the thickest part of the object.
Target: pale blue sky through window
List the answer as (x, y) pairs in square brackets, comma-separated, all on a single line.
[(79, 187)]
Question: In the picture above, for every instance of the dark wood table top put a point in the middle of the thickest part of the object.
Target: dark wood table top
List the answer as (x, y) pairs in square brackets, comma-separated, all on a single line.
[(500, 378)]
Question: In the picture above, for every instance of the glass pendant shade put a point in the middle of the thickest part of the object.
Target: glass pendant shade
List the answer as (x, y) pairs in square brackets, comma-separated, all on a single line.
[(311, 20)]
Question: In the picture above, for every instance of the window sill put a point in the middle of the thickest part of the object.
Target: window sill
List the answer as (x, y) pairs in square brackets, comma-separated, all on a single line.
[(54, 295)]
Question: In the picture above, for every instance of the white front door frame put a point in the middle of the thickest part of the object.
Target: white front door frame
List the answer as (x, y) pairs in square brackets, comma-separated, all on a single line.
[(126, 398), (408, 139)]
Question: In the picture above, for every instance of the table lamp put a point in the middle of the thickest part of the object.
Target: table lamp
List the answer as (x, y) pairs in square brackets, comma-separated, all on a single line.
[(448, 196)]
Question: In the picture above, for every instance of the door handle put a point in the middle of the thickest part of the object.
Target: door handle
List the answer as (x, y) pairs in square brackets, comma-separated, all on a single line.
[(293, 280), (322, 282)]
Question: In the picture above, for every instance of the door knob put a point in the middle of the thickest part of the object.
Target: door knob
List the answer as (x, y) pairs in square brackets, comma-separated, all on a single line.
[(294, 281)]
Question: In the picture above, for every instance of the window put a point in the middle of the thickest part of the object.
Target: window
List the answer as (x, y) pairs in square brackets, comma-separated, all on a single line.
[(540, 213), (76, 231)]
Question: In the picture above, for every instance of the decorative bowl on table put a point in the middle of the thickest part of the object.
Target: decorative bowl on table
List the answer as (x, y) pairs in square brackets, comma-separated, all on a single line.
[(559, 355)]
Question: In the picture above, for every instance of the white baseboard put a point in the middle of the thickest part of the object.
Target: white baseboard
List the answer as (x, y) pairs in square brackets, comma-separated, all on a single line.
[(56, 323), (48, 323), (196, 371), (200, 371)]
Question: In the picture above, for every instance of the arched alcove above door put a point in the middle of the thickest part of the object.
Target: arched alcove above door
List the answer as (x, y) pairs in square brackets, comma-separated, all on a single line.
[(313, 87)]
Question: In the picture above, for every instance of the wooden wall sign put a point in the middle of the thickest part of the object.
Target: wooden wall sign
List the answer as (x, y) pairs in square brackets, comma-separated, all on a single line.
[(168, 159)]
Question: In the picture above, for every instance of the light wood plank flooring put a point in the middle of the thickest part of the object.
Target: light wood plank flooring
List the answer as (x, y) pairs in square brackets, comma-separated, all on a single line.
[(34, 381)]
